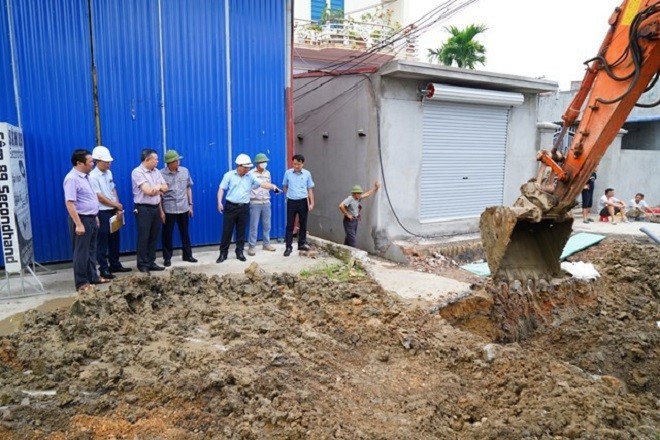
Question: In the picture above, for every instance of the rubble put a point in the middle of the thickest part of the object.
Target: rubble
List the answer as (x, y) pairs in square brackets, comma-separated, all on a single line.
[(284, 356)]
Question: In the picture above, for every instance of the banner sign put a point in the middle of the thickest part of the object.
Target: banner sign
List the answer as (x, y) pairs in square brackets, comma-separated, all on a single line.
[(15, 224)]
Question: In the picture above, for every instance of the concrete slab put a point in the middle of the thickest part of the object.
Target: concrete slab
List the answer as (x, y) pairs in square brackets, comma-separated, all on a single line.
[(605, 228), (415, 285)]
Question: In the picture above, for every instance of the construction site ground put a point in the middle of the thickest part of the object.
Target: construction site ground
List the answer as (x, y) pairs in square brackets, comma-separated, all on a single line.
[(354, 347)]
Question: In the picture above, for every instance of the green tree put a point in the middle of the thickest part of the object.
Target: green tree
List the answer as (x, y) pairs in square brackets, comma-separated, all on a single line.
[(461, 48)]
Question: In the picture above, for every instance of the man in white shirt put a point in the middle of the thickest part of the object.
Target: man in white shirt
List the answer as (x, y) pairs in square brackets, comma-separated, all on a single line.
[(610, 206), (107, 249), (638, 209)]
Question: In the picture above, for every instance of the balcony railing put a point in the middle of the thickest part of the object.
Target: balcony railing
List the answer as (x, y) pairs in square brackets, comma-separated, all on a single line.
[(354, 35)]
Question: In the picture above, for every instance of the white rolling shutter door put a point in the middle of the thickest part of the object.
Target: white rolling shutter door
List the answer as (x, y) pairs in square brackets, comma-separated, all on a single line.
[(463, 159)]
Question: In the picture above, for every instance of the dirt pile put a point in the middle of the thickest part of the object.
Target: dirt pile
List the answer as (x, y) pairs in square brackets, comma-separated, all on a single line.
[(619, 333), (282, 356)]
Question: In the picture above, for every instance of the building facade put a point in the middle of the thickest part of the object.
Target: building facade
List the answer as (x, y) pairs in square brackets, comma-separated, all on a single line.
[(442, 159)]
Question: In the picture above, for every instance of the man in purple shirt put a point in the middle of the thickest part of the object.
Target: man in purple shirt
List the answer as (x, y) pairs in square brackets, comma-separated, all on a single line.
[(148, 187), (83, 207)]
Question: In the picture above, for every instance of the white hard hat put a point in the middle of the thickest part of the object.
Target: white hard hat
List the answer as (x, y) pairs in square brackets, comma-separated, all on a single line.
[(101, 153), (243, 159)]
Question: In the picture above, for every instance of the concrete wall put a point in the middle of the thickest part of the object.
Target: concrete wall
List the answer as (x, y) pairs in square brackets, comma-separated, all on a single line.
[(344, 158), (402, 128), (629, 172)]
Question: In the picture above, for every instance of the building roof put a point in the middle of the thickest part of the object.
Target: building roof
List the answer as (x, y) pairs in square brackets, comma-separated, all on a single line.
[(467, 78)]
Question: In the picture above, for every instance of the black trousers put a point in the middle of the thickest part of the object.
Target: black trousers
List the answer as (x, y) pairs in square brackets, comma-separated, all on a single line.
[(234, 215), (168, 232), (148, 224), (84, 251), (301, 209), (350, 228), (107, 248)]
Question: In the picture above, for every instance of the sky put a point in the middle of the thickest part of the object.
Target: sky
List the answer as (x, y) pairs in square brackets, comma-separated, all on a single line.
[(533, 38)]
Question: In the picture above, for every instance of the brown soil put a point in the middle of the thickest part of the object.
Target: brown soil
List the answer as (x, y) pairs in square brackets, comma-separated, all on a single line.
[(279, 356)]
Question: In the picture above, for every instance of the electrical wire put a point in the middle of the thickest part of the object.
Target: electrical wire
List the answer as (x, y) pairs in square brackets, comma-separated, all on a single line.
[(431, 19)]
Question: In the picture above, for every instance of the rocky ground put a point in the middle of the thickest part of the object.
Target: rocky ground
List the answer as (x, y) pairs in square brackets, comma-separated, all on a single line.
[(331, 355)]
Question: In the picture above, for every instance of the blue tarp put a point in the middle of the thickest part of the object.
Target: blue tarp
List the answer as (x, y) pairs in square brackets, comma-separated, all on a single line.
[(575, 244)]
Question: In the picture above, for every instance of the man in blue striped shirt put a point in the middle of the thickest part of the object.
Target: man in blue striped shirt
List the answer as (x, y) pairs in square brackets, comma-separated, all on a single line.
[(298, 185)]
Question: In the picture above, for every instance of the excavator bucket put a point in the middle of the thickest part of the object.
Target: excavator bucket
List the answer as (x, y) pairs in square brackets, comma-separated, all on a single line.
[(520, 249)]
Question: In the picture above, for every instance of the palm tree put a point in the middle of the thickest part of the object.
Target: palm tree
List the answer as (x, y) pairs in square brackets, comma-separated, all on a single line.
[(461, 48)]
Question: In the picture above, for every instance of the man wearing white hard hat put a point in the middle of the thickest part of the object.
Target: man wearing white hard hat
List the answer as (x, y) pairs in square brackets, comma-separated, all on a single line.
[(237, 184), (107, 247)]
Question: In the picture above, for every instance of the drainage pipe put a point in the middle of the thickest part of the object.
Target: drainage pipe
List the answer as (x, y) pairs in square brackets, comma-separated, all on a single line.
[(650, 233)]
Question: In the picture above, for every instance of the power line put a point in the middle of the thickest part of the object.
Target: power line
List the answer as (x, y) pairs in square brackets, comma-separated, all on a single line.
[(431, 19)]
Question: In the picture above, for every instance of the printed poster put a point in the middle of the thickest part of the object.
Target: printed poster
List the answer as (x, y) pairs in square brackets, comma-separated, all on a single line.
[(15, 223)]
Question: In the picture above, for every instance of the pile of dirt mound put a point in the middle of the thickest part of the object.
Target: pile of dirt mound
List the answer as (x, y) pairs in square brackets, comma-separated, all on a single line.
[(619, 334), (281, 356)]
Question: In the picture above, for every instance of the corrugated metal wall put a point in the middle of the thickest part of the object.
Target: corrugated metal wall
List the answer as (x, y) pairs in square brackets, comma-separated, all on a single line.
[(162, 80), (7, 101), (196, 114), (53, 55), (256, 127), (127, 54)]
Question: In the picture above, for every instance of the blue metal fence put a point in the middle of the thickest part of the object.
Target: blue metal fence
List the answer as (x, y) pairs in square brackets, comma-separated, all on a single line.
[(196, 113), (258, 101), (162, 81), (7, 101), (127, 53), (53, 55)]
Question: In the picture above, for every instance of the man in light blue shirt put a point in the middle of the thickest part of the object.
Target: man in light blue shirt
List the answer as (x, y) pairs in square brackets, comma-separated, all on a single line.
[(238, 184), (107, 248), (298, 186)]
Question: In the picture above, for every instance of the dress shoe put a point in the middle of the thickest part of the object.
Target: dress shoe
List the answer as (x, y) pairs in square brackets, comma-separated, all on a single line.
[(221, 258), (240, 256), (143, 269), (287, 252), (120, 269), (156, 267), (106, 274), (167, 263), (304, 247), (190, 260)]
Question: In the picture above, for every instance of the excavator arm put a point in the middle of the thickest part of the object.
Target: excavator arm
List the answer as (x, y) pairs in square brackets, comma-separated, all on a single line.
[(525, 241)]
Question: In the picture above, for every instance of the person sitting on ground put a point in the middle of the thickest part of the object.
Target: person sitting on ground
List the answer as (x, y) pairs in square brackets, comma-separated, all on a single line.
[(638, 209), (610, 206)]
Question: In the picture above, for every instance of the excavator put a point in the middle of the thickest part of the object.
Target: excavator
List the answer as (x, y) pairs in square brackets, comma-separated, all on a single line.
[(525, 241)]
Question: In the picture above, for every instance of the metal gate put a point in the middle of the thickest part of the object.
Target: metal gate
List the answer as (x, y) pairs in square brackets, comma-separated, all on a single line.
[(463, 158)]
